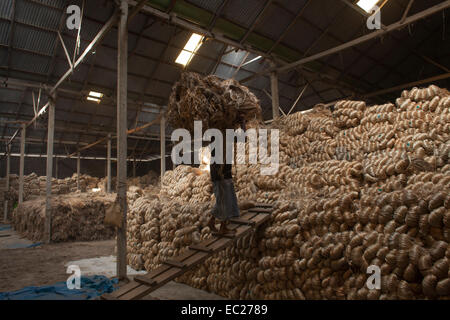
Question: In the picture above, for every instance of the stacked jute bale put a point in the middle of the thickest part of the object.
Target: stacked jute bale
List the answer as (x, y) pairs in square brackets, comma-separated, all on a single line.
[(75, 217), (35, 186), (149, 183), (345, 197)]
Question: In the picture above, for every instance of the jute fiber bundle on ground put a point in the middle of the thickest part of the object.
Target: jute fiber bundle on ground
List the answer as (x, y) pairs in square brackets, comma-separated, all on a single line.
[(216, 103), (149, 183), (347, 195), (35, 186), (75, 217)]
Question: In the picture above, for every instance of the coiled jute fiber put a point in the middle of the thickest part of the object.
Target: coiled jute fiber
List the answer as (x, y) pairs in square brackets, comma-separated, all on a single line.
[(359, 186)]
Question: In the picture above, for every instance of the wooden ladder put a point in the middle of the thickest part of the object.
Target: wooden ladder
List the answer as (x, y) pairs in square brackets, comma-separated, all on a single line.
[(142, 285)]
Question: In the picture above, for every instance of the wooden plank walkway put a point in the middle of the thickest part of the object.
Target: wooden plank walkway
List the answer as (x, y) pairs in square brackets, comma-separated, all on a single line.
[(142, 285)]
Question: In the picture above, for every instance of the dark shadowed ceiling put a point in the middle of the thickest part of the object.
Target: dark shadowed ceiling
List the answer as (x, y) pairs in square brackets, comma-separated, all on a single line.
[(281, 31)]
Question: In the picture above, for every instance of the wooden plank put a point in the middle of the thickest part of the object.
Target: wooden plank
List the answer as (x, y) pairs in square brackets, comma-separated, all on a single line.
[(175, 263), (220, 244), (144, 279), (108, 296), (259, 210), (186, 254), (161, 280), (248, 215), (225, 235), (196, 259), (157, 271), (200, 248), (190, 258), (260, 219), (137, 293), (263, 205), (124, 289), (242, 221), (242, 231)]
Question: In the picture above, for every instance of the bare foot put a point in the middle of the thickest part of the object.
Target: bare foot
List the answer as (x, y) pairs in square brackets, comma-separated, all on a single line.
[(225, 230), (212, 225)]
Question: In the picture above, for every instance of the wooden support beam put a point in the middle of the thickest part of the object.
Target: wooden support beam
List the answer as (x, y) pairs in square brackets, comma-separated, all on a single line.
[(108, 166), (162, 140), (48, 195), (78, 171), (298, 98), (97, 39), (22, 161), (407, 85), (56, 168), (405, 13), (373, 35), (137, 129), (275, 96), (122, 74), (8, 169)]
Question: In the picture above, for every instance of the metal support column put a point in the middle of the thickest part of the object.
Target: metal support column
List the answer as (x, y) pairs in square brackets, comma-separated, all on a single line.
[(50, 135), (8, 168), (78, 171), (108, 166), (275, 97), (122, 72), (162, 126), (22, 161)]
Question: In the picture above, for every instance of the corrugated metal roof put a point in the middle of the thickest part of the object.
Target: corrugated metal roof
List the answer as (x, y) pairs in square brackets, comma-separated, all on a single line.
[(274, 23), (243, 12), (33, 40), (5, 29), (211, 5), (55, 3), (6, 9), (37, 15), (31, 63)]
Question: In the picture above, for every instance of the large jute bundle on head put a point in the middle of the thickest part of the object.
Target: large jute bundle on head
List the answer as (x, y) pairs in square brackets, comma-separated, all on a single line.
[(217, 104), (353, 190)]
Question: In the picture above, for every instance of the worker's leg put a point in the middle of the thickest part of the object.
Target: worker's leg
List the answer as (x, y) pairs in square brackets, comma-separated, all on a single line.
[(212, 224), (224, 228), (231, 207)]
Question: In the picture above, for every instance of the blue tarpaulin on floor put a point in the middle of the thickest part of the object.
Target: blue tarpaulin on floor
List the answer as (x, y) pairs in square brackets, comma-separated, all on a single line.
[(91, 287), (4, 227)]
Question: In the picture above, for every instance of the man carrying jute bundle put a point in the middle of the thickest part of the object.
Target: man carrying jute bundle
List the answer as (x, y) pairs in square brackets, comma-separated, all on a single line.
[(226, 206)]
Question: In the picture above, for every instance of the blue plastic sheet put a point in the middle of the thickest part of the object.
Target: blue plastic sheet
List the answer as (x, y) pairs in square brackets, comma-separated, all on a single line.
[(4, 227), (91, 288)]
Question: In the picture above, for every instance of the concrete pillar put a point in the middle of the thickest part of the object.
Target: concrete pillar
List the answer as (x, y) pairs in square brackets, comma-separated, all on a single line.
[(275, 96), (22, 161), (122, 73), (108, 166), (50, 135), (163, 144)]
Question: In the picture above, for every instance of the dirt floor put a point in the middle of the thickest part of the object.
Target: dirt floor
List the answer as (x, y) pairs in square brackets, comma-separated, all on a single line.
[(44, 265)]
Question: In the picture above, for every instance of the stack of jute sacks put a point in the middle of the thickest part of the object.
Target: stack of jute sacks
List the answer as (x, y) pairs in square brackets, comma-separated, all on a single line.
[(75, 217), (357, 187), (34, 186), (149, 183)]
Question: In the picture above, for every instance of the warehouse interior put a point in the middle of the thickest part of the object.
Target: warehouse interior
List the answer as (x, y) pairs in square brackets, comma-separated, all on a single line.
[(360, 98)]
